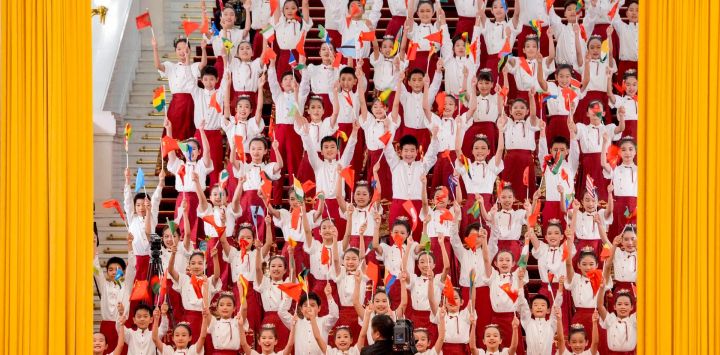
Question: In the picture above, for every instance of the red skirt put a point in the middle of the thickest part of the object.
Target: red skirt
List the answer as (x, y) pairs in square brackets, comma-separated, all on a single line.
[(544, 43), (305, 172), (109, 330), (556, 126), (421, 62), (552, 210), (194, 318), (181, 113), (217, 151), (515, 248), (282, 332), (335, 38), (359, 154), (442, 170), (421, 319), (619, 221), (422, 135), (465, 24), (302, 260), (584, 317), (489, 129), (467, 218), (249, 199), (516, 160), (175, 300), (483, 308), (348, 318), (282, 64), (591, 166), (225, 275), (289, 142), (439, 265), (504, 322), (581, 113), (254, 302), (450, 348), (397, 210), (253, 101), (257, 44), (224, 352), (623, 66), (395, 24), (192, 199), (142, 265), (355, 243), (491, 62), (318, 286), (566, 306), (332, 211), (384, 175)]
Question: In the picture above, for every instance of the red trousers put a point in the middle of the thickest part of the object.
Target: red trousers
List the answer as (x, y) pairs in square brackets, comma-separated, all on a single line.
[(318, 286), (556, 126), (395, 24), (591, 167), (442, 170), (552, 210), (217, 152), (516, 161), (622, 203), (425, 62), (465, 24), (384, 175), (291, 155), (109, 330), (437, 254), (359, 154), (192, 213), (248, 201), (254, 302), (181, 114)]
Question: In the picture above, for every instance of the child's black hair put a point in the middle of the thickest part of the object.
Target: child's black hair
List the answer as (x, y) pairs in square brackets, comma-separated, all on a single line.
[(103, 335), (350, 3), (416, 71), (577, 329), (592, 38), (143, 306), (560, 140), (541, 298), (185, 325), (209, 70), (116, 260), (481, 138), (279, 257), (423, 2), (243, 98), (328, 139), (288, 73), (585, 253), (349, 71), (625, 294), (522, 101), (485, 75), (475, 226), (353, 251), (569, 3), (316, 99), (408, 140), (565, 66), (630, 2), (457, 38), (309, 296), (180, 40), (197, 253), (426, 252), (512, 257), (261, 140), (627, 139), (228, 295), (531, 38), (267, 328), (630, 74), (139, 196)]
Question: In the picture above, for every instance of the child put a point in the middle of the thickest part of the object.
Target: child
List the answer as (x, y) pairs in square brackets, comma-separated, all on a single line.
[(539, 331), (319, 79), (259, 15), (388, 70), (326, 170), (138, 209), (628, 101), (551, 265), (520, 144), (492, 339), (480, 174), (623, 263), (350, 109), (472, 259), (590, 137), (621, 326), (255, 175), (209, 117), (351, 286), (569, 50), (139, 340), (289, 30), (488, 110), (392, 255), (457, 322), (624, 179), (170, 239), (100, 345), (415, 122), (193, 164), (182, 335), (436, 225), (322, 256), (379, 305), (591, 225), (224, 55), (416, 34), (226, 331), (496, 33), (247, 80), (628, 35), (112, 290), (360, 216), (377, 124), (423, 340), (562, 99), (460, 65), (560, 164), (534, 10), (266, 284), (596, 68), (503, 302), (343, 336), (267, 339), (527, 69), (194, 300), (182, 78), (598, 20), (353, 27), (242, 263), (307, 312), (577, 338), (293, 231), (506, 224)]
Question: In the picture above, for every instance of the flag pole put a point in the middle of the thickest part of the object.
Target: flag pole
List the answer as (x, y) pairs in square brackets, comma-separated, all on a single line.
[(152, 32)]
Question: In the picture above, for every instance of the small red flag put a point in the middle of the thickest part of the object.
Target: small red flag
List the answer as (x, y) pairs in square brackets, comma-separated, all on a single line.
[(371, 271), (348, 174), (566, 251), (564, 176), (181, 174), (436, 37), (613, 10), (410, 209), (569, 95), (239, 148), (595, 277), (325, 256), (308, 185), (398, 240), (412, 50), (301, 45), (143, 21), (583, 34), (575, 83), (524, 64), (549, 5), (367, 36), (295, 218), (526, 176), (271, 129), (613, 155), (210, 219), (620, 88), (446, 216), (273, 6), (474, 49), (385, 138), (140, 291), (168, 145), (268, 55), (214, 102), (440, 100), (266, 186), (472, 240), (605, 252), (449, 292), (338, 59), (205, 26), (551, 276), (190, 27), (533, 218), (293, 290), (113, 203), (509, 291), (354, 11)]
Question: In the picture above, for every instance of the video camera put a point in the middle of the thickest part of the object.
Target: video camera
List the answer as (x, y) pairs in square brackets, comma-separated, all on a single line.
[(403, 339)]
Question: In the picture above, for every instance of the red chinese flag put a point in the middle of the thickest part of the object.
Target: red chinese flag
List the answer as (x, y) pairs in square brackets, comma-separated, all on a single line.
[(549, 5), (337, 60), (367, 36), (566, 251), (189, 27), (271, 129), (273, 6), (412, 50), (436, 37), (449, 292), (295, 218), (293, 290), (576, 83), (266, 186), (551, 276), (239, 148), (595, 277), (613, 10), (140, 291), (509, 291), (506, 49), (308, 185), (143, 21), (214, 102), (564, 176), (440, 100), (348, 174), (446, 216), (205, 26), (325, 256), (113, 203), (168, 145), (620, 88), (472, 240), (210, 219), (371, 271), (526, 176), (474, 49), (181, 174), (301, 45), (385, 138), (613, 155), (569, 95), (268, 55), (533, 218), (526, 67), (163, 288), (398, 240), (410, 209)]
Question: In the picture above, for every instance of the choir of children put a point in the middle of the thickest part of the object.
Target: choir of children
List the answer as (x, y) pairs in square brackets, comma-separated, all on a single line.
[(261, 269)]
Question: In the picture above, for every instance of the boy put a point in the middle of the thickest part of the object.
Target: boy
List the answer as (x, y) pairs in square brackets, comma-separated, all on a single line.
[(309, 308), (208, 113), (568, 49), (539, 331), (559, 174), (139, 208), (628, 36), (139, 341), (112, 291), (415, 121), (349, 109)]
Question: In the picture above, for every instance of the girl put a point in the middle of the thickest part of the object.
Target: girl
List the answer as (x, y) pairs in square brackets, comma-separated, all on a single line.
[(170, 239), (259, 14), (590, 138), (628, 39), (100, 346), (391, 254), (266, 284), (459, 64), (488, 110), (595, 68), (591, 224), (182, 78), (526, 69), (343, 337), (228, 31), (496, 32), (289, 30), (472, 259), (247, 79), (436, 224), (480, 174), (621, 326), (598, 20), (324, 258), (577, 338), (225, 332), (520, 144), (292, 228), (561, 102), (377, 124), (305, 314), (583, 295), (182, 336), (534, 10), (423, 338), (379, 305), (360, 215), (628, 101), (550, 260), (624, 179), (569, 49), (138, 209), (506, 224), (492, 339), (416, 34), (388, 68), (457, 322), (350, 292), (504, 301), (448, 122), (319, 79), (256, 175), (267, 340), (623, 263), (242, 264), (190, 286), (415, 123)]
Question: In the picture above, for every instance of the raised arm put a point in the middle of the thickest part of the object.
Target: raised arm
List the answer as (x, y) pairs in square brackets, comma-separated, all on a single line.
[(500, 143), (515, 336), (533, 109), (203, 55), (155, 337), (516, 14), (376, 235), (206, 145), (441, 332), (487, 264), (570, 235), (363, 331), (595, 334), (551, 47)]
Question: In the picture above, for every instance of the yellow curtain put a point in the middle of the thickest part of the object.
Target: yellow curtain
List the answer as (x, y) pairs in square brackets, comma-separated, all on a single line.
[(679, 152), (46, 178)]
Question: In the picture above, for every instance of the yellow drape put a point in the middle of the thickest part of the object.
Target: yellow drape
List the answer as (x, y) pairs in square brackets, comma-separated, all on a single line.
[(678, 212), (46, 178)]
